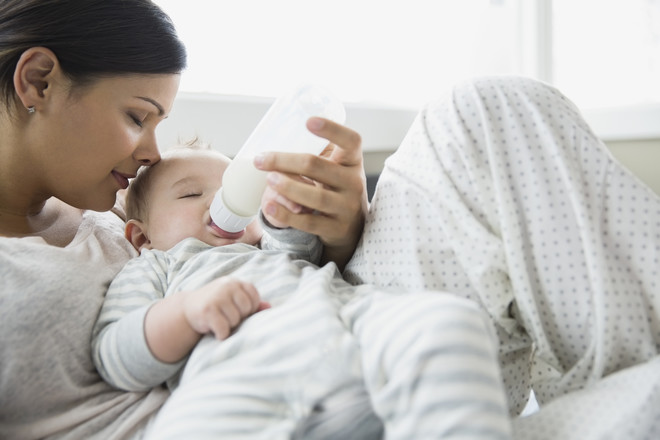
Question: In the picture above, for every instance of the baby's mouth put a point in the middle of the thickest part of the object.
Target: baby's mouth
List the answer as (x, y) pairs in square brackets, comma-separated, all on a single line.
[(224, 234)]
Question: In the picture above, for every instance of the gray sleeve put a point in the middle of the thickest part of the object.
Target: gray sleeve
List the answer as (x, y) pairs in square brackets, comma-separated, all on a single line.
[(119, 346), (303, 245)]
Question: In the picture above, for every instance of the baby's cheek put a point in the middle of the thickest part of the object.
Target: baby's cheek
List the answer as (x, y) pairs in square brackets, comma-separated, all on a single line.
[(177, 229), (253, 233)]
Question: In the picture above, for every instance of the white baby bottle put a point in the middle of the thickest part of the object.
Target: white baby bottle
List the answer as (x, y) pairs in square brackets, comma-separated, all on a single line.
[(283, 128)]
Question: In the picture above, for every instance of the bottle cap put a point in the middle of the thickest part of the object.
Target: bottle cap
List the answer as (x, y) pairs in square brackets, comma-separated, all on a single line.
[(224, 218)]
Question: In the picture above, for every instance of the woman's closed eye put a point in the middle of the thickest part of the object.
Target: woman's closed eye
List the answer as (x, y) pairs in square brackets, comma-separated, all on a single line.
[(136, 120)]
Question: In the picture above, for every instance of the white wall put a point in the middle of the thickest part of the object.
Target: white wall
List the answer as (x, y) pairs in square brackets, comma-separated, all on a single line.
[(633, 134), (642, 157), (226, 122)]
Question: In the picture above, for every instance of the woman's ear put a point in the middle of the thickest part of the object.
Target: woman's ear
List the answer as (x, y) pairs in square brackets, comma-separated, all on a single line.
[(135, 233), (34, 74)]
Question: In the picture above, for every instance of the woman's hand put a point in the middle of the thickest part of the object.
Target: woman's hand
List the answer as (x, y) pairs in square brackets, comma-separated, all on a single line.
[(324, 195)]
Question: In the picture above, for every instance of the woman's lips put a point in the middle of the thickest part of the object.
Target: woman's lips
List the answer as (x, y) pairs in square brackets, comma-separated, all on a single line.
[(121, 179), (224, 234)]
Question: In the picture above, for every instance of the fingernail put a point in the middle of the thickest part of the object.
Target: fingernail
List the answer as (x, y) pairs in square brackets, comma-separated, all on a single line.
[(315, 123), (273, 178), (258, 160), (271, 209)]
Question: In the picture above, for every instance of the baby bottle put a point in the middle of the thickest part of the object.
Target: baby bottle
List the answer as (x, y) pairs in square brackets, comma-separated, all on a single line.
[(283, 128)]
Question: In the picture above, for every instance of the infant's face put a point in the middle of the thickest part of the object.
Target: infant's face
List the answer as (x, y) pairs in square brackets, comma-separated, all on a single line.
[(181, 196)]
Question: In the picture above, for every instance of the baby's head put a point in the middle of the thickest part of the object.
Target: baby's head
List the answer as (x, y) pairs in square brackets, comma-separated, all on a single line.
[(170, 201)]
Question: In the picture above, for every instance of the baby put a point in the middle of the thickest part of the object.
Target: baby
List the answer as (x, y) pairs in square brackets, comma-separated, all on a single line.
[(254, 339)]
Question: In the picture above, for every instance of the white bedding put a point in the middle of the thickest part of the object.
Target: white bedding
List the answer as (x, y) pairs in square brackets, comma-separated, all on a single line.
[(512, 201)]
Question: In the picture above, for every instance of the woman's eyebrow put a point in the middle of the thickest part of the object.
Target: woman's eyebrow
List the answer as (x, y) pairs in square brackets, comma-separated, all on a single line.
[(161, 111)]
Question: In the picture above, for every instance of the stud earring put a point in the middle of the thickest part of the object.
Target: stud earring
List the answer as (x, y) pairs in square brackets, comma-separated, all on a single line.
[(31, 110)]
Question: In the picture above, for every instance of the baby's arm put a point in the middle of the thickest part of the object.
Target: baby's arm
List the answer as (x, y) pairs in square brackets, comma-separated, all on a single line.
[(121, 350), (175, 324), (303, 245)]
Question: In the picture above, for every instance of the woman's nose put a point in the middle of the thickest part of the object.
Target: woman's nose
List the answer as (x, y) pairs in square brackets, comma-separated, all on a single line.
[(147, 152)]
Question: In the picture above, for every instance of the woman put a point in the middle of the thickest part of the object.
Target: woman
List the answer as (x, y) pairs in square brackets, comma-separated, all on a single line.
[(84, 84)]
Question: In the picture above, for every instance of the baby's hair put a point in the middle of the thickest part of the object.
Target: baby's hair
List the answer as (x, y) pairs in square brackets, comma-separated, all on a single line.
[(138, 190), (192, 144)]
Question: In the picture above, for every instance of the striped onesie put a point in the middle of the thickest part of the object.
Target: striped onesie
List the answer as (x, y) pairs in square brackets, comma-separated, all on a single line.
[(327, 360)]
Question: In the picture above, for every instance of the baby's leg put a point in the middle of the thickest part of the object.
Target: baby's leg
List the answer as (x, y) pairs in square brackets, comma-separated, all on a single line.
[(430, 365)]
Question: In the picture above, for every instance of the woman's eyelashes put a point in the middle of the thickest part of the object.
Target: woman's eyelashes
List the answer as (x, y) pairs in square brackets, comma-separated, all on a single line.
[(138, 117), (136, 120)]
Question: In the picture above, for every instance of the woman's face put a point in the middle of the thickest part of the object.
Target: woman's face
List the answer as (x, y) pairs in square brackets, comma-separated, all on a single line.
[(97, 138)]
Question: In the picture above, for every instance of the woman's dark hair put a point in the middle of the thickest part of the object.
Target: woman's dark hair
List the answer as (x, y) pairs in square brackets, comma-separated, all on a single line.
[(91, 38)]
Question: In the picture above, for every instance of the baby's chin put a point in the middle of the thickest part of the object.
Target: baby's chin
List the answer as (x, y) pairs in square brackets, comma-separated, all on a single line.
[(250, 239)]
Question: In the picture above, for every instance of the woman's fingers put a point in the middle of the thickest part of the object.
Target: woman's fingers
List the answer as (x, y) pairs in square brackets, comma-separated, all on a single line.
[(337, 197), (319, 169), (346, 148), (330, 214), (298, 193)]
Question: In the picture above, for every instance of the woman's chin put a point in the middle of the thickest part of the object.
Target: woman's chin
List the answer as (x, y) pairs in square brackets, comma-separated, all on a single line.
[(99, 204)]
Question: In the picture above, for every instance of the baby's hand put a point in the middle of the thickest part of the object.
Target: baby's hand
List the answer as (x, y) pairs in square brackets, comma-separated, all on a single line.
[(221, 305)]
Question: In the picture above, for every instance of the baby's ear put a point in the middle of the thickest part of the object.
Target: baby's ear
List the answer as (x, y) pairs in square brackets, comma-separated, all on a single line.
[(136, 233)]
